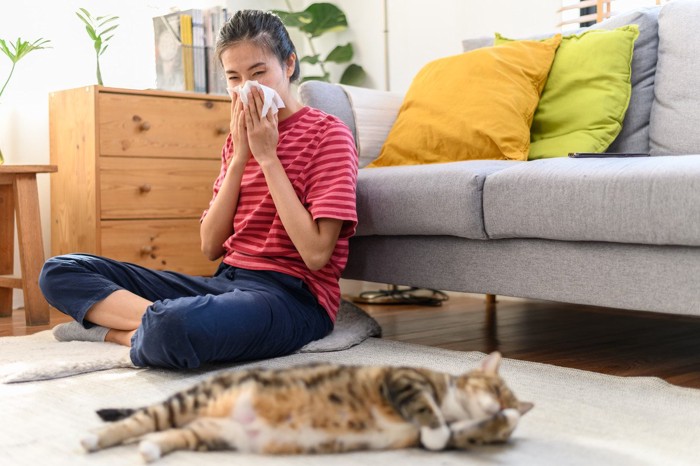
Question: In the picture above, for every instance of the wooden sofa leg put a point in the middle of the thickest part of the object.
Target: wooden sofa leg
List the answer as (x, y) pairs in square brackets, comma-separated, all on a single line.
[(491, 328), (490, 309)]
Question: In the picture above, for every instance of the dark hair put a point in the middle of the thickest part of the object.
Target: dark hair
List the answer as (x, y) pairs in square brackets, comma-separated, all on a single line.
[(262, 27)]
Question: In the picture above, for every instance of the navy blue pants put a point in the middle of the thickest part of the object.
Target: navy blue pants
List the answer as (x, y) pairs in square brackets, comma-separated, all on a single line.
[(236, 315)]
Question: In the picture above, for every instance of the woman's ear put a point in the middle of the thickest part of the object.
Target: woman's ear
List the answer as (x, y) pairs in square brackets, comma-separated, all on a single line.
[(291, 63)]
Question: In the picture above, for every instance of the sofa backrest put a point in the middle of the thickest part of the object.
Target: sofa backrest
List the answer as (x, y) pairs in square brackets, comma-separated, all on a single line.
[(675, 116), (634, 136)]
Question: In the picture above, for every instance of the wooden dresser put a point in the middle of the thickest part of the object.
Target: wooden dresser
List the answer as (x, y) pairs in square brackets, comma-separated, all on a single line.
[(135, 172)]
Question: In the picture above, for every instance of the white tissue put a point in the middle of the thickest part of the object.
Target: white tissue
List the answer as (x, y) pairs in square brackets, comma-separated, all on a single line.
[(273, 101)]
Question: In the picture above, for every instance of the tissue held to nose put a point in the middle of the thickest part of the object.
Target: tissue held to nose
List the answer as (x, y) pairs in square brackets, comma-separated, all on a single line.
[(273, 102)]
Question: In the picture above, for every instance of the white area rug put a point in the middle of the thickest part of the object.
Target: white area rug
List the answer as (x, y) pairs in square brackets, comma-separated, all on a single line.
[(41, 357), (580, 418)]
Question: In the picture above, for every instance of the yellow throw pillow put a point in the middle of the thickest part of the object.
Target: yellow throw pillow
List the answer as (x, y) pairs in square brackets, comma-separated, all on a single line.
[(476, 105)]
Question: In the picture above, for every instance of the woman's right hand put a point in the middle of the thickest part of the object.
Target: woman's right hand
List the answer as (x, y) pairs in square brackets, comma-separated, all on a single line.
[(239, 135)]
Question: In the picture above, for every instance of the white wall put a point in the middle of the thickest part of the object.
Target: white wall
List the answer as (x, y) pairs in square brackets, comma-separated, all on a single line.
[(421, 31)]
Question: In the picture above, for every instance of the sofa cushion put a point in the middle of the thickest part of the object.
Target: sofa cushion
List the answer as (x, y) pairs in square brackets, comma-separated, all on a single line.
[(438, 199), (573, 115), (634, 136), (648, 200), (675, 116), (475, 105)]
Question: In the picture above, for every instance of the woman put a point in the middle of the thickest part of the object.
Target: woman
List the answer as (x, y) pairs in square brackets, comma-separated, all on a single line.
[(281, 215)]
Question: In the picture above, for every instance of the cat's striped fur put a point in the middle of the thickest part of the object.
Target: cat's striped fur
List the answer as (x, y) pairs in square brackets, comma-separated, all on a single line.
[(322, 408)]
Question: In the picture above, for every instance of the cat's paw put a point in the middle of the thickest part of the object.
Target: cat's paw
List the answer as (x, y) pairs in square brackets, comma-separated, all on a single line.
[(512, 417), (434, 439), (150, 451), (90, 442)]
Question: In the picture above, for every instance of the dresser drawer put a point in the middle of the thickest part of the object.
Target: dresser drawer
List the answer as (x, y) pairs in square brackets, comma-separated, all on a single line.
[(155, 188), (157, 244), (160, 126)]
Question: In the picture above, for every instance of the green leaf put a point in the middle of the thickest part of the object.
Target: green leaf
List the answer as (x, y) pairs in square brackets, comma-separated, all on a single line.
[(91, 32), (83, 19), (20, 48), (108, 20), (340, 54), (104, 49), (326, 78), (5, 50), (354, 75), (311, 59), (294, 20), (112, 28), (326, 17), (40, 43), (86, 13), (98, 44)]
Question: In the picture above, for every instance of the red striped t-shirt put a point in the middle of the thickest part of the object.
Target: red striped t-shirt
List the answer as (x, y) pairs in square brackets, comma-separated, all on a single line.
[(318, 154)]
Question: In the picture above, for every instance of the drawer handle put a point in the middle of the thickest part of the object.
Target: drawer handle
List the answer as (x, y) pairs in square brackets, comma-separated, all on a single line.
[(145, 126), (145, 188), (220, 131), (146, 250)]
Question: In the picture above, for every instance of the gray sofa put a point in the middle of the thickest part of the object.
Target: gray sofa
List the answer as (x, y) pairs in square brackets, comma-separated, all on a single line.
[(621, 233)]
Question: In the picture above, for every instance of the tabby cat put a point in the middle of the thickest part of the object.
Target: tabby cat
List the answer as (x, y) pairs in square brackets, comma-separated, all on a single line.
[(322, 408)]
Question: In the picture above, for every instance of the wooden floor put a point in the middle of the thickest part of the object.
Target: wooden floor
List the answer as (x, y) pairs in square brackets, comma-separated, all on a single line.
[(595, 339)]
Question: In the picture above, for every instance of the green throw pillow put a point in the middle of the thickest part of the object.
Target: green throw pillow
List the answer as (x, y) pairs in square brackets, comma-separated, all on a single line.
[(586, 95)]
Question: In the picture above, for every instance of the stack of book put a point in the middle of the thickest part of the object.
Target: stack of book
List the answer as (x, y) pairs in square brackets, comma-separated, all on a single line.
[(185, 42)]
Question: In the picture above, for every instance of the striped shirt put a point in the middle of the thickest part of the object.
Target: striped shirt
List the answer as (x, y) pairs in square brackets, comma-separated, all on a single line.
[(318, 154)]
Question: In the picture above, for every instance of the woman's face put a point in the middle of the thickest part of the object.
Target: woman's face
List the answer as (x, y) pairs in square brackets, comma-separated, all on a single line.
[(246, 61)]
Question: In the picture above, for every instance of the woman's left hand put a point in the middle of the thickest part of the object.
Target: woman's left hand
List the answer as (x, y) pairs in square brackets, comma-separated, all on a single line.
[(263, 134)]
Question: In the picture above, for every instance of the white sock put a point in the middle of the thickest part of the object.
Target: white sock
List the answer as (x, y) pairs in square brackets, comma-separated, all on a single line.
[(73, 331)]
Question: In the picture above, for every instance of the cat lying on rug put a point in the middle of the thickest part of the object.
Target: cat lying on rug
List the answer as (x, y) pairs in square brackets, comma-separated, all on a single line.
[(322, 408)]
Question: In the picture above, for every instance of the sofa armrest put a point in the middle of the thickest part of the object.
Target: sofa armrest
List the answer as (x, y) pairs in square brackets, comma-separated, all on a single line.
[(330, 98), (369, 113)]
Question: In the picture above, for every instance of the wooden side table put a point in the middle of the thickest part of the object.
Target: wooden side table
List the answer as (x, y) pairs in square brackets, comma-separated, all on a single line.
[(19, 197)]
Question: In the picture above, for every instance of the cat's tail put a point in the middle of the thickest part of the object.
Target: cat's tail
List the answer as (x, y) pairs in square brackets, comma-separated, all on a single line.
[(115, 414)]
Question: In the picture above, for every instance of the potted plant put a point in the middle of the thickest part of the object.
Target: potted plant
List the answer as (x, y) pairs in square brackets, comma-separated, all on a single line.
[(316, 20), (15, 52), (98, 28)]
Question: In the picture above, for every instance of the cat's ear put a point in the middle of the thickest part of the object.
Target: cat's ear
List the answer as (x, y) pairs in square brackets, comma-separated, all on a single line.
[(524, 407), (491, 363)]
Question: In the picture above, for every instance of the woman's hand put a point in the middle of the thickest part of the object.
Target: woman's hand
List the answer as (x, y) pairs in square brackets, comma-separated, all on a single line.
[(263, 134), (241, 149)]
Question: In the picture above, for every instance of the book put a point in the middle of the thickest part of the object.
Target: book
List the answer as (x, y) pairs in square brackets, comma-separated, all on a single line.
[(185, 51), (170, 68), (198, 50), (214, 19)]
